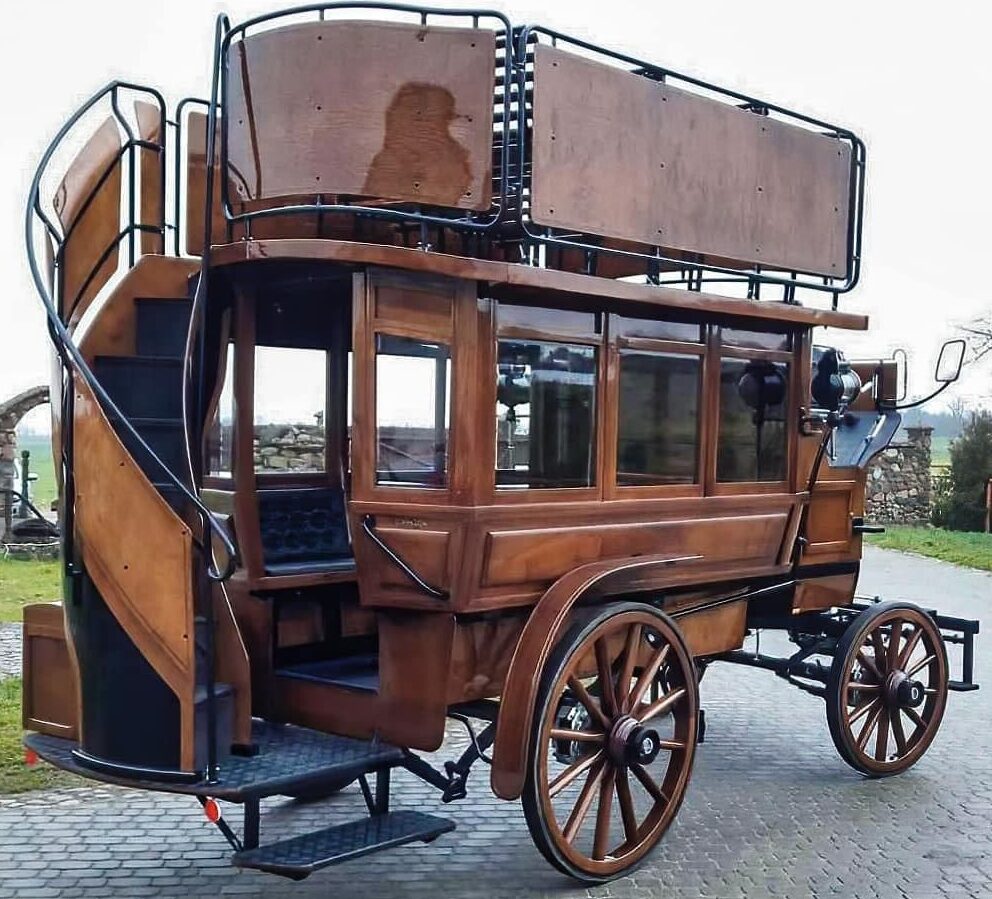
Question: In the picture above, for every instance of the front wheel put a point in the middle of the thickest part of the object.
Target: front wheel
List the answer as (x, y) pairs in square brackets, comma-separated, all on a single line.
[(607, 772), (887, 688)]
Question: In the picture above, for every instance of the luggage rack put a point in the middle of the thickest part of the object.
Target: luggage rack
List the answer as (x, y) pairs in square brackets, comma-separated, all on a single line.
[(660, 265)]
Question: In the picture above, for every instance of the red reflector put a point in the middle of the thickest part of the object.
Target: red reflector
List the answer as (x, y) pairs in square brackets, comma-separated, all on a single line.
[(30, 758), (212, 810)]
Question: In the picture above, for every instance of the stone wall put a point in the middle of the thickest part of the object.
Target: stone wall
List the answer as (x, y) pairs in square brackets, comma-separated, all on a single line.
[(899, 481), (289, 447)]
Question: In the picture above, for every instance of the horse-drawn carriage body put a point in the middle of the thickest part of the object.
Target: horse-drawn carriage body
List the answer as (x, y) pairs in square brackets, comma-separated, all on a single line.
[(573, 437)]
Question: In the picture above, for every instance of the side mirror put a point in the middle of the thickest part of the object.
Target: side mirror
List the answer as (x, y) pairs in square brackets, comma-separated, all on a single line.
[(949, 362)]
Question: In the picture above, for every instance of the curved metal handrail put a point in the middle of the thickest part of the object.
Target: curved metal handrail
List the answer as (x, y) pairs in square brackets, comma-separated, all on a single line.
[(368, 526), (69, 354)]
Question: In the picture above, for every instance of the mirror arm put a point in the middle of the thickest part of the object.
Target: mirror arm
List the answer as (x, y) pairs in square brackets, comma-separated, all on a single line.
[(925, 399)]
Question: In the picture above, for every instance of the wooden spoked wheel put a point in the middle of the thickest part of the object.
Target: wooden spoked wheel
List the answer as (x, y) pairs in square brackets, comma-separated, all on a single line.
[(613, 741), (887, 689)]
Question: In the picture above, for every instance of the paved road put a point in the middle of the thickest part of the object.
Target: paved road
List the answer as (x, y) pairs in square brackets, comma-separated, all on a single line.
[(771, 811)]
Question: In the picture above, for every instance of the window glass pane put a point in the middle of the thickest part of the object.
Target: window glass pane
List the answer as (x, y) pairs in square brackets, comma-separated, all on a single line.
[(658, 419), (220, 436), (757, 340), (645, 327), (545, 414), (290, 396), (565, 321), (753, 403), (412, 385)]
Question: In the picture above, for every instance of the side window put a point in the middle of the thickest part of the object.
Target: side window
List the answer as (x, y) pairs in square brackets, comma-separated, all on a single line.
[(658, 427), (412, 414), (290, 408), (220, 436), (545, 414), (753, 435)]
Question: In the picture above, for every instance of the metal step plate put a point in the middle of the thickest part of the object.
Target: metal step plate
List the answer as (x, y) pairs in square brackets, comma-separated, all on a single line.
[(300, 856)]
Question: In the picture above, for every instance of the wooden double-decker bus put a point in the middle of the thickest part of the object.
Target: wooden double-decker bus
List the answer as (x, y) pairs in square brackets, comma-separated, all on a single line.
[(436, 367)]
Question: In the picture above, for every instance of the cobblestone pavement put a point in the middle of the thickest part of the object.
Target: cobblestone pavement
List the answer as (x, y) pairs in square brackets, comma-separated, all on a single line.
[(771, 811)]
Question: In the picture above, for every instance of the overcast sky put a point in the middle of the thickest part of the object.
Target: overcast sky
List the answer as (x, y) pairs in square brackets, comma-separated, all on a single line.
[(914, 80)]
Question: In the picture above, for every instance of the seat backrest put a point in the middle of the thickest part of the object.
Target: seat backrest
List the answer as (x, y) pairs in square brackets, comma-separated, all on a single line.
[(303, 525)]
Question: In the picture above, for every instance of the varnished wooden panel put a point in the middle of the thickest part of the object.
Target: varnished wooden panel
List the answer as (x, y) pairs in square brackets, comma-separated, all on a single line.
[(715, 630), (151, 200), (824, 592), (416, 126), (96, 224), (620, 155), (49, 703), (196, 187), (543, 554), (425, 551)]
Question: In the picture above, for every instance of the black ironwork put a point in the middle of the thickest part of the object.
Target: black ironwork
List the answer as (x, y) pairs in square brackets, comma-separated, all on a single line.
[(25, 503), (368, 526), (694, 272)]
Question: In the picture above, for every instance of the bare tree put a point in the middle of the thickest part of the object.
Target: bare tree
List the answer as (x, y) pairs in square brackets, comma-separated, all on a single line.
[(978, 334)]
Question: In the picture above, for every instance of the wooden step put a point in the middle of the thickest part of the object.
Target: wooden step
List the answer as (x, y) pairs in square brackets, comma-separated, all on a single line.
[(161, 326), (299, 857)]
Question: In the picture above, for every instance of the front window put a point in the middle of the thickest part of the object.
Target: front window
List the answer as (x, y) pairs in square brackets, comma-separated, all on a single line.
[(753, 434), (412, 386), (545, 414), (658, 432)]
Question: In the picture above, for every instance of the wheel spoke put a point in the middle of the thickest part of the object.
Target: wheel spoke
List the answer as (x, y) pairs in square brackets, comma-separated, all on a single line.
[(647, 677), (919, 665), (592, 707), (578, 736), (586, 796), (662, 705), (605, 670), (869, 663), (916, 718), (627, 669), (601, 839), (627, 812), (868, 728), (863, 687), (863, 710), (882, 738), (648, 782), (574, 771), (911, 645), (895, 640), (879, 646), (898, 732)]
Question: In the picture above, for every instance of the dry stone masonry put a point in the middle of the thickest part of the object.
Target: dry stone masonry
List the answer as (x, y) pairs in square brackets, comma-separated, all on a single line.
[(899, 481)]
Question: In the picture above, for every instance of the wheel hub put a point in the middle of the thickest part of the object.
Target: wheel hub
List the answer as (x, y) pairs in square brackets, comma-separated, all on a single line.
[(902, 691), (631, 743)]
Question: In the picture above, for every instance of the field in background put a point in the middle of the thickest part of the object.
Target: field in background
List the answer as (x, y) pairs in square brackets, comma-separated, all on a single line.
[(43, 491), (940, 451), (959, 547), (22, 582)]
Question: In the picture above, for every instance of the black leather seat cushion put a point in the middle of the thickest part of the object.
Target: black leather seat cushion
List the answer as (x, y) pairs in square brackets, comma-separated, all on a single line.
[(304, 530)]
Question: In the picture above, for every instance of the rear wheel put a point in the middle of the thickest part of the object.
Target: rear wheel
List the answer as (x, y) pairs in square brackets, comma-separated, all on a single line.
[(607, 772), (887, 689)]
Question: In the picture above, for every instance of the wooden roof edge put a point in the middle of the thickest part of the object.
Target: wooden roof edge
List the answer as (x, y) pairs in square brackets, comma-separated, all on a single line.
[(516, 280)]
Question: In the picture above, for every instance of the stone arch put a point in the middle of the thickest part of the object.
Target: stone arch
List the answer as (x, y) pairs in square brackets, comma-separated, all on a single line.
[(11, 413)]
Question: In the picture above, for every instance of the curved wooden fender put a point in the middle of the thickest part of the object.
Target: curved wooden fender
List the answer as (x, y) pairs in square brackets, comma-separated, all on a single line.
[(603, 578)]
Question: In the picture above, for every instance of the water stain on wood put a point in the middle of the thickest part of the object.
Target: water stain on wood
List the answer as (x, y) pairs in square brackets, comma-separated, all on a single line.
[(419, 156)]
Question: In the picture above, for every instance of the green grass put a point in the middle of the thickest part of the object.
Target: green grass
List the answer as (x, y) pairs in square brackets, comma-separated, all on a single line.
[(940, 451), (43, 490), (15, 776), (23, 582), (959, 547)]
